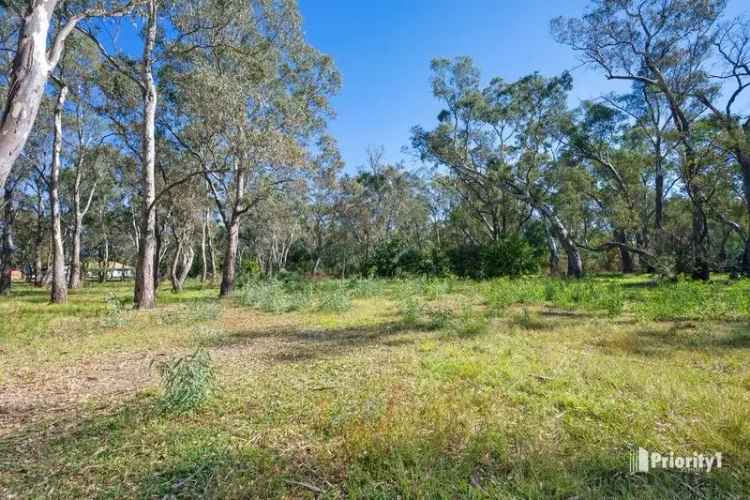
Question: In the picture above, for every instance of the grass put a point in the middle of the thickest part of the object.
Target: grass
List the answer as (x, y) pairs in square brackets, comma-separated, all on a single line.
[(531, 388)]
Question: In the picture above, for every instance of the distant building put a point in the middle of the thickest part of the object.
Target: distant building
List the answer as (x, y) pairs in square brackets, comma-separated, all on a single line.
[(116, 271), (17, 275)]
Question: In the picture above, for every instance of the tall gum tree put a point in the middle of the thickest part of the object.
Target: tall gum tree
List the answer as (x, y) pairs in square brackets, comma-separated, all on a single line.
[(500, 135), (665, 45), (248, 104)]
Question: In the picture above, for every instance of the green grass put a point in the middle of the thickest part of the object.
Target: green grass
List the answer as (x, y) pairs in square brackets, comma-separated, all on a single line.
[(528, 388)]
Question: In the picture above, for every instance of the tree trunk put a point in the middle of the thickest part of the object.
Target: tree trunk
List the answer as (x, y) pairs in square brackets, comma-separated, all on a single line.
[(145, 296), (554, 252), (26, 86), (212, 253), (74, 281), (78, 214), (575, 263), (158, 233), (59, 294), (659, 200), (186, 264), (173, 272), (38, 266), (626, 258), (8, 247), (204, 257), (104, 261), (38, 241), (230, 258), (744, 161)]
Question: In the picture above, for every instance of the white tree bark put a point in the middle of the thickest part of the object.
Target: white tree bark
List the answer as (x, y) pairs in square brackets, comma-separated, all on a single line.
[(145, 296), (28, 77), (59, 293), (32, 65)]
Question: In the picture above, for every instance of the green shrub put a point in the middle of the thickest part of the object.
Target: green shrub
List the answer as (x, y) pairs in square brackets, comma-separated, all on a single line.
[(275, 296), (411, 310), (186, 381), (114, 315), (511, 256)]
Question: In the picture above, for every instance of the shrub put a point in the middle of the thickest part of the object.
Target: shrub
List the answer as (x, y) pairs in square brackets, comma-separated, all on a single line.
[(275, 296), (114, 315), (411, 310), (187, 381), (511, 256), (396, 258)]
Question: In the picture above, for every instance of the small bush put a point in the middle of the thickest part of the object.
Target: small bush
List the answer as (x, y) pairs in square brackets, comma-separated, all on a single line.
[(275, 296), (114, 315), (187, 381), (511, 256), (411, 310)]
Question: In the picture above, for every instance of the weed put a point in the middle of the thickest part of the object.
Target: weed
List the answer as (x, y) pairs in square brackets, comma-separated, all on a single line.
[(469, 323), (114, 315), (186, 381), (439, 318), (529, 321)]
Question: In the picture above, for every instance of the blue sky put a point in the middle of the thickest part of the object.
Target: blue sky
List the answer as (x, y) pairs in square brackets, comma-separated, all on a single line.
[(383, 50)]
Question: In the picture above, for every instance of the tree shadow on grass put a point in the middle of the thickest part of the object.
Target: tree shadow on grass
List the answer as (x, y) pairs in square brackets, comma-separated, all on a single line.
[(685, 337), (298, 344)]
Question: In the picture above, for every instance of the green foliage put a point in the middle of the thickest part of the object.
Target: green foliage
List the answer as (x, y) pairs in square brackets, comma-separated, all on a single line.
[(512, 256), (186, 381), (114, 315), (411, 309), (395, 258), (439, 318), (686, 300)]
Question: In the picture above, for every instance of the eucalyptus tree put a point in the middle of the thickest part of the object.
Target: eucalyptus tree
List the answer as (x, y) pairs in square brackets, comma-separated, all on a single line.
[(665, 45), (59, 290), (8, 245), (505, 135), (43, 30), (322, 190), (732, 43), (382, 203), (247, 101), (618, 183)]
